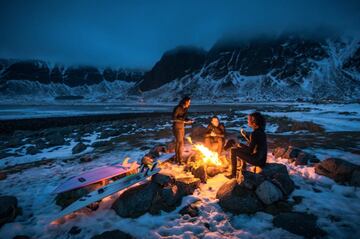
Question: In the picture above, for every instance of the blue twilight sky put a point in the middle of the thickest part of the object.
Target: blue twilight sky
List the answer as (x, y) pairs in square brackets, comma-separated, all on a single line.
[(136, 33)]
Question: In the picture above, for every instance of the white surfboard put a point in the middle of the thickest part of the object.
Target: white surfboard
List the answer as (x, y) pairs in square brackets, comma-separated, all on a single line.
[(112, 188), (100, 174)]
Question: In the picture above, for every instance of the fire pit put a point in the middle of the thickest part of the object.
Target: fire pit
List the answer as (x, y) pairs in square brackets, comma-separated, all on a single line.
[(204, 163)]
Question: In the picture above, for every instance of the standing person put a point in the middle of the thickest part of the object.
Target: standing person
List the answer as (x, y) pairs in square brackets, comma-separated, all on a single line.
[(179, 120), (255, 152), (215, 135)]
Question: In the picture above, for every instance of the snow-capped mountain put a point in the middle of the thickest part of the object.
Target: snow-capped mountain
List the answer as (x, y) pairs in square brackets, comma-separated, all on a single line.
[(287, 67), (38, 81)]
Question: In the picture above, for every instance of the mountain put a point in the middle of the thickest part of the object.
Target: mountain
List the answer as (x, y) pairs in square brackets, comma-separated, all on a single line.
[(173, 64), (39, 81), (42, 72), (287, 67)]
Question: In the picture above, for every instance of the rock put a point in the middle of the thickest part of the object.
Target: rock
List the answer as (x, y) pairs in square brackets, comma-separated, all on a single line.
[(163, 192), (268, 193), (192, 210), (115, 234), (66, 198), (104, 149), (238, 199), (136, 201), (278, 175), (187, 185), (162, 179), (74, 230), (271, 169), (278, 152), (101, 143), (8, 209), (200, 173), (55, 139), (78, 148), (40, 144), (299, 223), (291, 153), (355, 178), (294, 154), (212, 171), (337, 169), (109, 133), (279, 207), (32, 150), (284, 182), (170, 196), (86, 158), (304, 158), (250, 180), (13, 142), (2, 176)]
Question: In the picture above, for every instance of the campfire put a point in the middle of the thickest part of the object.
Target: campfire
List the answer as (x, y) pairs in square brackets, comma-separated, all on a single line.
[(208, 156), (204, 162)]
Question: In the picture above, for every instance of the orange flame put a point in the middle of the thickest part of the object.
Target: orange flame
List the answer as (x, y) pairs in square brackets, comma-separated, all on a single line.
[(208, 156)]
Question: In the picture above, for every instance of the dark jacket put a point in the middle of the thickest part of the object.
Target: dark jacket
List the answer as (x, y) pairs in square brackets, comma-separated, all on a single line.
[(219, 131), (257, 145), (179, 115)]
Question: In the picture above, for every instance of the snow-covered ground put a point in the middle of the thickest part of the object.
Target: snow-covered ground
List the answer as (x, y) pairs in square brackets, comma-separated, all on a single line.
[(322, 196), (39, 207)]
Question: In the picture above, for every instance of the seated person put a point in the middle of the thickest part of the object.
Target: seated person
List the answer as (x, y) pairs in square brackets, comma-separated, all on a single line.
[(255, 152), (215, 135)]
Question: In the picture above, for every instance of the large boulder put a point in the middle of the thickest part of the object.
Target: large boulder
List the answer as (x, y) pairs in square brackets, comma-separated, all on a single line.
[(8, 209), (187, 185), (78, 148), (299, 223), (136, 201), (66, 198), (295, 155), (339, 170), (199, 172), (163, 192), (237, 199), (278, 175), (250, 180), (268, 193), (163, 179), (115, 234)]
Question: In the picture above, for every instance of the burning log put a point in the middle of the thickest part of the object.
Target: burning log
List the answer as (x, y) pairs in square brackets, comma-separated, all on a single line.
[(204, 162)]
